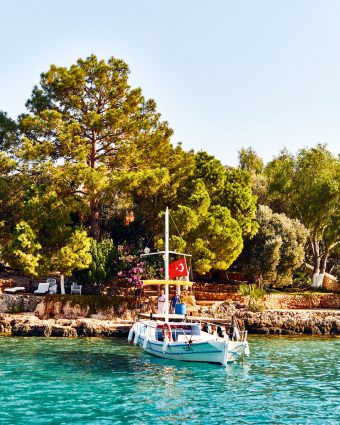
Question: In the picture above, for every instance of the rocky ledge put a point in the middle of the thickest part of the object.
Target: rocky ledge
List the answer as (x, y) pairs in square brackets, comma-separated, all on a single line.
[(291, 322), (29, 325), (279, 322)]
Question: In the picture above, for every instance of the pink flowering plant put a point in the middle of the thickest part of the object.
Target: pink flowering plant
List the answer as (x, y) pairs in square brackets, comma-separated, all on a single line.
[(135, 268)]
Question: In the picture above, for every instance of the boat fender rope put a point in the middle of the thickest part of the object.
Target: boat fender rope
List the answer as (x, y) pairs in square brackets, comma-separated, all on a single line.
[(225, 353), (165, 345), (135, 341), (145, 343), (130, 337)]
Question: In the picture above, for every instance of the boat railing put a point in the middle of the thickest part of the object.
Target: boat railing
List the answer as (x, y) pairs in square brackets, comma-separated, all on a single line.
[(181, 333)]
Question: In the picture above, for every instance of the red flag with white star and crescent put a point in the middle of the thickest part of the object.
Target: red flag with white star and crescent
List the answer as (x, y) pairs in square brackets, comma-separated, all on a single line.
[(178, 268)]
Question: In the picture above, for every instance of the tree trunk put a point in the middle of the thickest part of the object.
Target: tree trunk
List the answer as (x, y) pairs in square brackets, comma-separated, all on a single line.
[(260, 281), (94, 203), (95, 230), (316, 263), (323, 265), (62, 285)]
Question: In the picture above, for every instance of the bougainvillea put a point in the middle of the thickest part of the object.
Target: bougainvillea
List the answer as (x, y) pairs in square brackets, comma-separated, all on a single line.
[(135, 268)]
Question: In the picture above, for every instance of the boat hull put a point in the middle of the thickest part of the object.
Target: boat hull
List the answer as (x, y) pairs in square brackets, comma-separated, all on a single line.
[(206, 352)]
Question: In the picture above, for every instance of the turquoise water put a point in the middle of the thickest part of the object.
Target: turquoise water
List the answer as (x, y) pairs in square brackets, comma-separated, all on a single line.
[(107, 381)]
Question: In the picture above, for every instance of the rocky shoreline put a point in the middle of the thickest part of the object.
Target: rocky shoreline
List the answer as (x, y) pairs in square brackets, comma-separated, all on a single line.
[(101, 316), (303, 322), (292, 322), (27, 324)]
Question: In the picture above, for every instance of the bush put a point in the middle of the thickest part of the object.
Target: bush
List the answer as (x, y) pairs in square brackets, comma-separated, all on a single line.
[(255, 294), (252, 290), (103, 266), (302, 278), (255, 306)]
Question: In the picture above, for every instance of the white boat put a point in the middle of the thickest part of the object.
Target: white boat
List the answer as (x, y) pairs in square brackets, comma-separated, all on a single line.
[(177, 339), (187, 341)]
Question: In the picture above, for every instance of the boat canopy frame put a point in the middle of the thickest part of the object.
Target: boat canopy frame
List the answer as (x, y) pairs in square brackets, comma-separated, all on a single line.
[(167, 282)]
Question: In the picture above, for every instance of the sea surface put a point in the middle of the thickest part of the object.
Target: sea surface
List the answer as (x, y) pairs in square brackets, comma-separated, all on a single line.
[(107, 381)]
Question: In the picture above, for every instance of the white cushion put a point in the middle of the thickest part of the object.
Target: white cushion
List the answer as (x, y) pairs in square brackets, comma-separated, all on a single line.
[(15, 289)]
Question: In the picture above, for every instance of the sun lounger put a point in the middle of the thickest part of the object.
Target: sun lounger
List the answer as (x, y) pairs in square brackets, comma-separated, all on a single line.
[(15, 289), (42, 288)]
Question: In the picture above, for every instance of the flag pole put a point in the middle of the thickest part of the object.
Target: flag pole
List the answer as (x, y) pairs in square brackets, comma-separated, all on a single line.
[(166, 264)]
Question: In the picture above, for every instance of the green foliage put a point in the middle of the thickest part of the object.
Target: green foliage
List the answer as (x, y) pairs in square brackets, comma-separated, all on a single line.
[(102, 267), (88, 118), (23, 251), (47, 239), (255, 306), (307, 187), (302, 278), (277, 250), (8, 132), (250, 161), (238, 197), (74, 255), (215, 210), (11, 194), (93, 152), (251, 290), (255, 295), (214, 238), (229, 188)]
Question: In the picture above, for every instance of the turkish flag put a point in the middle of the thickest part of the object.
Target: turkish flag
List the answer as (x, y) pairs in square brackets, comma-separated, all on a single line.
[(178, 268)]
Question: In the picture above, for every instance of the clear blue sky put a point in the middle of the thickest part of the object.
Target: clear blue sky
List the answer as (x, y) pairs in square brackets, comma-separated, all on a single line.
[(226, 74)]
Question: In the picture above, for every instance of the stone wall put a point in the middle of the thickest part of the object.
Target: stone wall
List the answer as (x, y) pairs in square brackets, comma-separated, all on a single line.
[(68, 306), (302, 301), (10, 303), (273, 301)]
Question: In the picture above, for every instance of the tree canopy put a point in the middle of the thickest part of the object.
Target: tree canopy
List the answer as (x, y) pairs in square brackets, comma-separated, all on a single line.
[(92, 155), (215, 211), (89, 124), (276, 250), (307, 187), (91, 166)]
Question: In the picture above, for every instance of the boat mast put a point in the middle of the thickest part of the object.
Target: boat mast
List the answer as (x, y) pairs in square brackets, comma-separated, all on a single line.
[(166, 264)]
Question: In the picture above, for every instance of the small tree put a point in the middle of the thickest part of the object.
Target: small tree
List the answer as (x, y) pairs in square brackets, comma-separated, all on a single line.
[(74, 255), (307, 187), (23, 251), (103, 265), (277, 249)]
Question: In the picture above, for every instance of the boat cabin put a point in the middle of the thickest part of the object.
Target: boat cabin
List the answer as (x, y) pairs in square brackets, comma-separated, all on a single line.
[(180, 332)]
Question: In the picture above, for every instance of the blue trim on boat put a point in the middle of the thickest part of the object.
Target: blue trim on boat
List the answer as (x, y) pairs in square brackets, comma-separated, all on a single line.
[(179, 354), (160, 343), (182, 345)]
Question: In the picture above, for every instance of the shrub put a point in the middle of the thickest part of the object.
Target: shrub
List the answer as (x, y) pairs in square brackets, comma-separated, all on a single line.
[(253, 291), (255, 295), (255, 306)]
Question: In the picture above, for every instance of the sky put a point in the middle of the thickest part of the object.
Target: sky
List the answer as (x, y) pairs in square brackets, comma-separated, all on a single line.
[(225, 74)]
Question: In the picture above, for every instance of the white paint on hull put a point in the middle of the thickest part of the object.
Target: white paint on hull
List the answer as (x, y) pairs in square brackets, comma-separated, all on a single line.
[(207, 352)]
